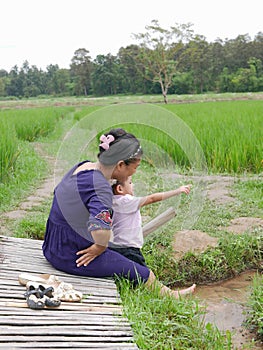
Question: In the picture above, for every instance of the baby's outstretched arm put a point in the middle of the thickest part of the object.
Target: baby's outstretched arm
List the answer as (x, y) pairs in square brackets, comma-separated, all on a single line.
[(185, 189), (160, 196)]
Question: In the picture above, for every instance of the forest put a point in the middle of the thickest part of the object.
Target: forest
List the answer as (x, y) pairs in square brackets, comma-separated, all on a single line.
[(166, 61)]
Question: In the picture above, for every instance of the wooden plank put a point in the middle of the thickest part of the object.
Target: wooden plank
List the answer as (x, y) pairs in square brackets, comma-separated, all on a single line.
[(67, 306), (95, 314), (158, 221), (11, 277), (24, 320), (95, 322), (69, 342), (78, 330)]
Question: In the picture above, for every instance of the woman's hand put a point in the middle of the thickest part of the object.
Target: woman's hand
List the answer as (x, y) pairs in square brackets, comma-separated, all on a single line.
[(101, 240), (89, 254)]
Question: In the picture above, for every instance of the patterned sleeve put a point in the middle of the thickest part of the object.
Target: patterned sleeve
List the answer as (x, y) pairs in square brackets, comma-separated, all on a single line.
[(98, 200)]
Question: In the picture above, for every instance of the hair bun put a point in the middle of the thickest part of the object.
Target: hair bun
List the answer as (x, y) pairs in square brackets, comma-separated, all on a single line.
[(119, 132)]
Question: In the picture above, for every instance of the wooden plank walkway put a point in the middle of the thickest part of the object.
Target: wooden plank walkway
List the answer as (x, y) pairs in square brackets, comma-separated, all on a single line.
[(96, 322)]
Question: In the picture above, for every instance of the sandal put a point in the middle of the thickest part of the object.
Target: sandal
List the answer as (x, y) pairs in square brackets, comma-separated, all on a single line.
[(24, 277), (62, 291), (34, 302), (34, 298), (43, 293), (66, 292)]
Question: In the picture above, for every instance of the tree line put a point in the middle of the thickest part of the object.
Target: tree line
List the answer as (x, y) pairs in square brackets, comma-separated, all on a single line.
[(163, 61)]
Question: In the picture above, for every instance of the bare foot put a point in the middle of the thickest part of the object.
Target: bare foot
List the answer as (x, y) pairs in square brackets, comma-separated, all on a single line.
[(186, 291)]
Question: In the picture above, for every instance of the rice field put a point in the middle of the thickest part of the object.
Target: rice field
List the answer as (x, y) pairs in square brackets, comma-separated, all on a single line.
[(23, 125), (229, 133)]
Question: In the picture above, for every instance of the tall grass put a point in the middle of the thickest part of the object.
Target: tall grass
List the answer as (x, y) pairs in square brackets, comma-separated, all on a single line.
[(255, 317), (31, 124), (230, 133), (165, 323), (226, 137), (29, 171), (8, 149), (26, 125)]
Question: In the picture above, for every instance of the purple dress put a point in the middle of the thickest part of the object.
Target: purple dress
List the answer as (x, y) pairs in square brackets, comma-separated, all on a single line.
[(82, 203)]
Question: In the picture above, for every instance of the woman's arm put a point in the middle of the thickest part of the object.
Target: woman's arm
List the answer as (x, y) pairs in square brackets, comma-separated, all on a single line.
[(101, 239)]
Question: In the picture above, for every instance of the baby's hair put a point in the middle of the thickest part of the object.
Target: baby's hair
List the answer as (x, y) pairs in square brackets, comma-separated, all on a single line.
[(114, 186)]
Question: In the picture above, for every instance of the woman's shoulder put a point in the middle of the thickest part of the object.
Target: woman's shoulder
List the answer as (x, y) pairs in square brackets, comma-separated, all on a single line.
[(85, 165)]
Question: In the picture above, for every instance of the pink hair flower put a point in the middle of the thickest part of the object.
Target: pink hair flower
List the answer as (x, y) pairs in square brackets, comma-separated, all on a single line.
[(106, 140)]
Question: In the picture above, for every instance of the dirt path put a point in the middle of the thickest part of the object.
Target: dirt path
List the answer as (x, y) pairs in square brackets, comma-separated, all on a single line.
[(33, 200)]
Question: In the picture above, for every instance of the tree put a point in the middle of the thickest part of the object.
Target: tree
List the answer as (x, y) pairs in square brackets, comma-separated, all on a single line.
[(237, 52), (81, 68), (195, 58), (62, 81), (3, 82), (58, 80), (33, 80), (106, 79), (134, 81), (51, 85), (158, 50), (14, 86)]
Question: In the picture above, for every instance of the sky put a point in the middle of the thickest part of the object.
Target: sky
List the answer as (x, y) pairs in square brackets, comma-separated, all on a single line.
[(45, 32)]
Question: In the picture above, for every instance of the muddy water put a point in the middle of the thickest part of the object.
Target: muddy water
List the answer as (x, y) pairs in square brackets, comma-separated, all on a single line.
[(225, 305)]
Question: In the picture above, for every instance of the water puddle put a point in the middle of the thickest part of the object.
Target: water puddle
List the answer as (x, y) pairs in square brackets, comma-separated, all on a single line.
[(225, 305)]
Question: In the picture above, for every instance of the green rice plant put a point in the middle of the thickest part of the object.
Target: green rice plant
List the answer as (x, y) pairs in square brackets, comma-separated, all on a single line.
[(29, 167), (255, 315), (29, 171), (31, 124), (8, 149), (83, 111), (230, 133)]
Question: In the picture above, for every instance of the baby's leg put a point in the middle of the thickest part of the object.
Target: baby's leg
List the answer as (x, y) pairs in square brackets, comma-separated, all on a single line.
[(182, 292), (152, 282)]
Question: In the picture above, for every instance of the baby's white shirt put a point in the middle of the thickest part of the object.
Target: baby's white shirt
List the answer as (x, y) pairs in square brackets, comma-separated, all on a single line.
[(127, 221)]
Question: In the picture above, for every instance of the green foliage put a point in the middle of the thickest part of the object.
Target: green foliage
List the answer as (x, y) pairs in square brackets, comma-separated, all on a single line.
[(251, 192), (26, 125), (29, 170), (164, 323), (230, 133), (255, 316), (8, 149), (83, 112), (32, 123), (33, 227), (234, 254), (159, 62)]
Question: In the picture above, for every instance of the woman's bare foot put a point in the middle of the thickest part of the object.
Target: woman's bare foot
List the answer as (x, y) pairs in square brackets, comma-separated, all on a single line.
[(186, 291)]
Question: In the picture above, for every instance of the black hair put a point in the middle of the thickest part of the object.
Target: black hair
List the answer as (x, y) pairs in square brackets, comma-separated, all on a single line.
[(120, 134), (114, 186)]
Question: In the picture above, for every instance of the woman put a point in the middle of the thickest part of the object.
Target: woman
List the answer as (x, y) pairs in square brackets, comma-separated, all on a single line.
[(79, 225)]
